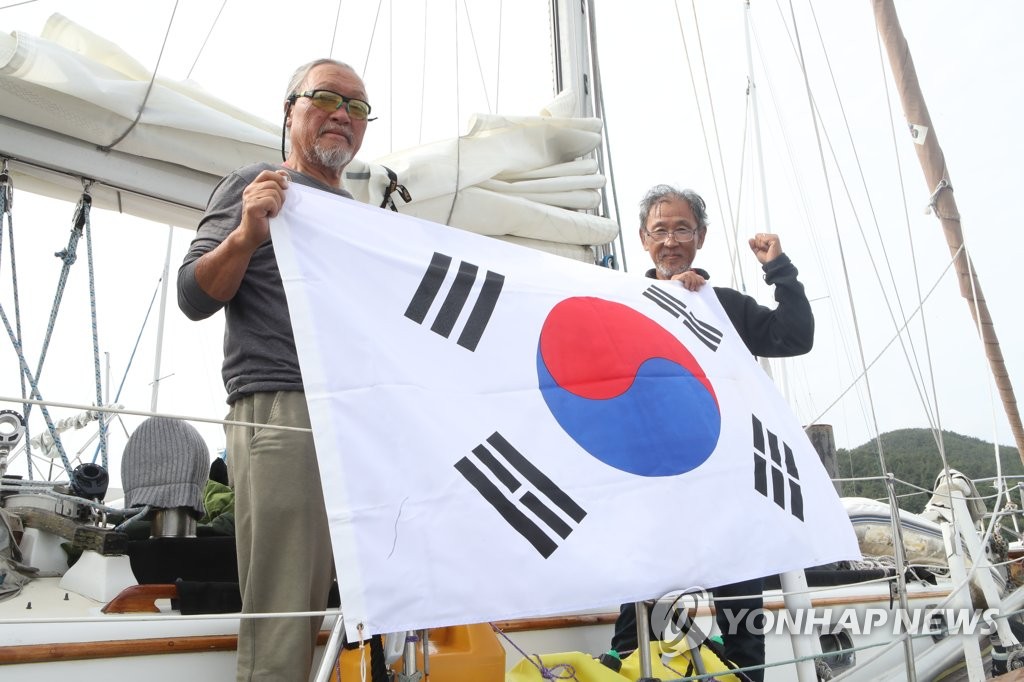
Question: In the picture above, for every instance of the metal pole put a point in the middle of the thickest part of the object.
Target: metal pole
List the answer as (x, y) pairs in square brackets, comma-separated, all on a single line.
[(901, 575), (643, 641), (805, 643), (958, 572), (331, 650), (756, 121), (160, 321)]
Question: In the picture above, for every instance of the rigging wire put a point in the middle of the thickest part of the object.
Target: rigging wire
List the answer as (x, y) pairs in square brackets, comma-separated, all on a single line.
[(911, 356), (391, 73), (798, 190), (497, 65), (700, 115), (910, 363), (605, 150), (476, 53), (742, 175), (896, 527), (839, 240), (423, 76), (801, 193), (937, 421), (933, 419), (458, 118), (334, 33), (892, 340), (17, 4), (206, 39), (1000, 488), (149, 88), (714, 121), (366, 60), (373, 34)]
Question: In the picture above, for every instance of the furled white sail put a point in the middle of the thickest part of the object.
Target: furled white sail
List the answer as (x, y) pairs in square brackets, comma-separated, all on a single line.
[(70, 110)]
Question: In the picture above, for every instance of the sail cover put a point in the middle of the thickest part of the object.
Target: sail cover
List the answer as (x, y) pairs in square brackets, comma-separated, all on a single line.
[(505, 433), (70, 109)]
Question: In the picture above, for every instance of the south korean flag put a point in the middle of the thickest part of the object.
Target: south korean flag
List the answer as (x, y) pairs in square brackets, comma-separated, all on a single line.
[(506, 433)]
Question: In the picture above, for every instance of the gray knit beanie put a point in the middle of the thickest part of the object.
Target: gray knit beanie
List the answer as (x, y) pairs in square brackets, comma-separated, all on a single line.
[(165, 464)]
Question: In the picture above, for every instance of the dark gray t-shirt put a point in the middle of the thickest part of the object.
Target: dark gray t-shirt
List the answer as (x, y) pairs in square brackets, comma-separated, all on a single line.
[(259, 349)]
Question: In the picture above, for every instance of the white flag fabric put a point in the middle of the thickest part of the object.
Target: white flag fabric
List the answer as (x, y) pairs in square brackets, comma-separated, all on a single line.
[(505, 433)]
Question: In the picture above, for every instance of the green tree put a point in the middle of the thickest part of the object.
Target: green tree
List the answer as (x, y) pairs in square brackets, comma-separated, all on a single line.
[(912, 457)]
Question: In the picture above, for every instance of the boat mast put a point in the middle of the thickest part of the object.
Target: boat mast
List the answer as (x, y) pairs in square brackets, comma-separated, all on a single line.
[(573, 49), (933, 162)]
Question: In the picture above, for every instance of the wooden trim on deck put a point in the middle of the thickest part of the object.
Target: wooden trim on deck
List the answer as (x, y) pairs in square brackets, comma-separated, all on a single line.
[(140, 599), (607, 618), (118, 648), (85, 651), (555, 622)]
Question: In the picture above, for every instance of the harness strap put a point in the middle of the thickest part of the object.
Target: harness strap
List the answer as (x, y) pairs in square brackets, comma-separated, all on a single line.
[(393, 187)]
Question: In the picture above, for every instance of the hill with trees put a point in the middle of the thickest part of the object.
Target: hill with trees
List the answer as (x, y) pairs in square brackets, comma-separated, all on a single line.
[(912, 456)]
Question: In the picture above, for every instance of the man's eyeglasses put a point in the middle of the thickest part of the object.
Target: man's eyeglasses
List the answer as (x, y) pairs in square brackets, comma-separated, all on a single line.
[(681, 236), (327, 100)]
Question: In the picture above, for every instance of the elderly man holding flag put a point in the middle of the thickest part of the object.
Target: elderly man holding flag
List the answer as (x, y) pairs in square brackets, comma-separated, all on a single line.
[(673, 226), (284, 548)]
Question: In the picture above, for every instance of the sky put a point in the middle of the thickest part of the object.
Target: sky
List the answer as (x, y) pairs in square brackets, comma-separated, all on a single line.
[(662, 128)]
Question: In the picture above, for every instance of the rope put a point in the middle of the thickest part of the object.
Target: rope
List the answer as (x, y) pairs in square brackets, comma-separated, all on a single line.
[(68, 256), (6, 205), (95, 331), (560, 671), (152, 80), (27, 374), (11, 485)]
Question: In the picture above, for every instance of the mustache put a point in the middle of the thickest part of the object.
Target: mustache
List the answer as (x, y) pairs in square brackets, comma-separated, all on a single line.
[(334, 128)]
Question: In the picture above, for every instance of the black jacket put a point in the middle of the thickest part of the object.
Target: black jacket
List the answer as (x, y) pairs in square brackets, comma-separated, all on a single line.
[(783, 332)]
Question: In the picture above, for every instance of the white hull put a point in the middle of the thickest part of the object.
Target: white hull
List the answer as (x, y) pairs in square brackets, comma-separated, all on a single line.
[(880, 655), (49, 633)]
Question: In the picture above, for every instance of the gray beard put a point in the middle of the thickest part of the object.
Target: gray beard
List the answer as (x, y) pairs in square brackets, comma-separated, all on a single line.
[(668, 273), (335, 158)]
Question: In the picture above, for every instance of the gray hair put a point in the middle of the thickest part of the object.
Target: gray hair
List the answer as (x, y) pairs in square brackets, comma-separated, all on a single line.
[(299, 77), (662, 193)]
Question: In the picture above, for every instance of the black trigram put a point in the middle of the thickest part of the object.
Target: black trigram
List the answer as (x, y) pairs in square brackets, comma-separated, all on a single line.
[(708, 335), (455, 300), (514, 508), (782, 467)]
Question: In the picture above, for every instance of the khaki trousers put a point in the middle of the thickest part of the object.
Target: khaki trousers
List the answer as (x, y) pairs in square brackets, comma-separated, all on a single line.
[(284, 547)]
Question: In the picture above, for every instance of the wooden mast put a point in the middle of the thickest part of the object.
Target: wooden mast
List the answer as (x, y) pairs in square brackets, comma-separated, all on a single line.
[(933, 162)]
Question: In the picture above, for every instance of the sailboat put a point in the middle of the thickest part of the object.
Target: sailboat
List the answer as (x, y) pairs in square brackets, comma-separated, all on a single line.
[(212, 628)]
